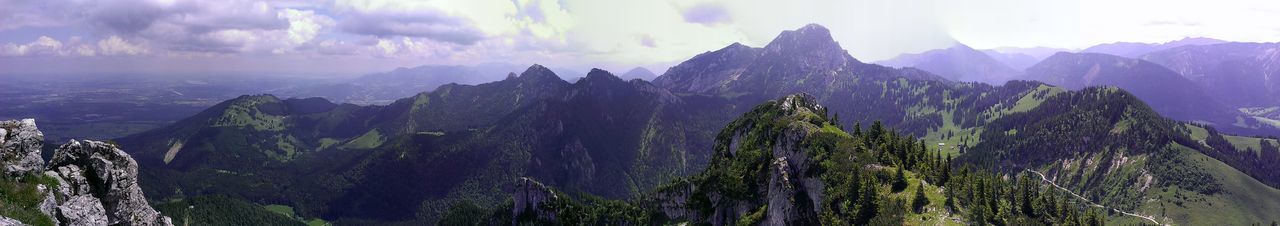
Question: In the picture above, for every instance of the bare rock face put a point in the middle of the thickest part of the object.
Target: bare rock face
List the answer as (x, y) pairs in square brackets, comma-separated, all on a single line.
[(97, 182), (793, 196), (10, 221), (530, 198), (20, 144), (50, 204), (82, 210), (101, 171)]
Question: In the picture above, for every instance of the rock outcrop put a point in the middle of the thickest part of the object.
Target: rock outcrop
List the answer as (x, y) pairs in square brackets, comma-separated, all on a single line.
[(97, 182), (531, 198), (794, 196), (9, 221), (108, 175), (772, 137), (20, 143)]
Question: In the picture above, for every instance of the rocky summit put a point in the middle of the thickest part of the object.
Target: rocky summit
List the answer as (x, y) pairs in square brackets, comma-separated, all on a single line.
[(20, 144), (85, 183)]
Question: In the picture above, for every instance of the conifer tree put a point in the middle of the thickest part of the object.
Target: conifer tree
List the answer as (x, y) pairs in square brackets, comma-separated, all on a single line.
[(867, 208), (920, 201), (899, 180)]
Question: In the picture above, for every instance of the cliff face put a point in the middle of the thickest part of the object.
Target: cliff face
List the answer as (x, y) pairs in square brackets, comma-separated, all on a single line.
[(96, 182), (792, 194), (532, 200), (773, 137)]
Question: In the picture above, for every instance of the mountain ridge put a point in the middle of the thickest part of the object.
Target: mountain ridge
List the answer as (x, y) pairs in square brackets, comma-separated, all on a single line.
[(606, 136), (958, 63)]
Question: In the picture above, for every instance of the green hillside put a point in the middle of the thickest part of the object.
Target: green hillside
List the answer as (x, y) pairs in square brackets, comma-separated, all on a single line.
[(458, 150), (840, 179)]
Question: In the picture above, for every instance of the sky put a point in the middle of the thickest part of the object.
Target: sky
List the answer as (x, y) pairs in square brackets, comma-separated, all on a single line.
[(351, 37)]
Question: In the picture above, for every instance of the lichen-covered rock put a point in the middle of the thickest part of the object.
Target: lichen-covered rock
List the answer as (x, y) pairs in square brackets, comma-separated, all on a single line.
[(530, 199), (50, 204), (82, 210), (71, 181), (115, 181), (20, 143)]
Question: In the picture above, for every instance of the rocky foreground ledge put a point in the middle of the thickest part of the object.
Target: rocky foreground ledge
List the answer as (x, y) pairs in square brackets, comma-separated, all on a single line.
[(96, 182)]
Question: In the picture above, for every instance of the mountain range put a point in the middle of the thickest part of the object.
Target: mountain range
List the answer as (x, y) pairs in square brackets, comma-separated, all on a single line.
[(961, 63), (1238, 74), (638, 73), (1218, 83), (725, 137), (385, 87), (1136, 49)]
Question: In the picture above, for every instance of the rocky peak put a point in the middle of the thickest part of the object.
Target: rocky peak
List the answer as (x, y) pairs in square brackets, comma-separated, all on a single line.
[(20, 144), (811, 41), (539, 73), (801, 102), (792, 193), (708, 71), (91, 171), (604, 86), (599, 75), (97, 183), (598, 84)]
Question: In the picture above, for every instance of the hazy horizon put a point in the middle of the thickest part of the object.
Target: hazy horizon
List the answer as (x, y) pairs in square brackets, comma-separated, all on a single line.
[(348, 38)]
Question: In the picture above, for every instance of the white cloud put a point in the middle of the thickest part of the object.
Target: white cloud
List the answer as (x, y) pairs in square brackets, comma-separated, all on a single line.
[(73, 46), (594, 33), (115, 46), (43, 46)]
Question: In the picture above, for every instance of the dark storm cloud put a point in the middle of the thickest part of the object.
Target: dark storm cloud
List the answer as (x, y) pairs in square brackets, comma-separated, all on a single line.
[(433, 25), (129, 17)]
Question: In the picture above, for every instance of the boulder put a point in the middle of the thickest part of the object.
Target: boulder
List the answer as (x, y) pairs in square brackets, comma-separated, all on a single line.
[(49, 207), (20, 143), (82, 210), (102, 171)]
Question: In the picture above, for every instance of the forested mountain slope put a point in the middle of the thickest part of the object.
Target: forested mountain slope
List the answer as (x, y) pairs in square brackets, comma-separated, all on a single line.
[(463, 147)]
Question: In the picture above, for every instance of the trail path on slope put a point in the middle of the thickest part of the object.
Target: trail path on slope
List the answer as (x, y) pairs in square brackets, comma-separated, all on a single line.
[(1091, 203)]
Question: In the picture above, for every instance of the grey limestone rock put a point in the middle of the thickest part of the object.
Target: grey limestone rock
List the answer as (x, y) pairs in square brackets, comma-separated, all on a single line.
[(116, 174), (82, 210), (20, 143)]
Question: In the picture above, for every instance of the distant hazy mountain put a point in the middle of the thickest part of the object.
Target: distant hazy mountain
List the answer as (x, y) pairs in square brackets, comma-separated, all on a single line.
[(385, 87), (570, 75), (1017, 61), (1238, 74), (958, 63), (1164, 90), (1039, 53), (638, 73), (1134, 49)]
